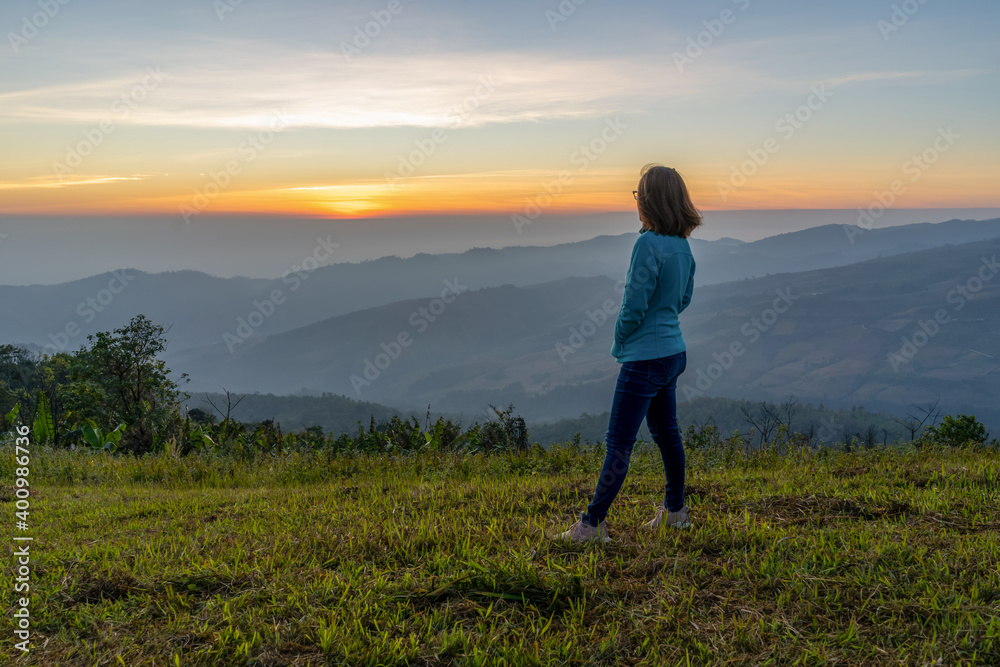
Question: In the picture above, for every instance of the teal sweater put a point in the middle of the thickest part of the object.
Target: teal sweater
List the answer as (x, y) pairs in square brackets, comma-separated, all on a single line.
[(658, 287)]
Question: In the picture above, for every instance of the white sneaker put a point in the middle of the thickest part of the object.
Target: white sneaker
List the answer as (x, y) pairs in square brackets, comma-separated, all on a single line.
[(678, 519), (582, 531)]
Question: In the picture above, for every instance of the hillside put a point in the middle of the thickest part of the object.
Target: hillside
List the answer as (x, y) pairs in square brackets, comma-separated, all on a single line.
[(854, 333), (499, 345), (482, 340), (200, 309), (868, 558)]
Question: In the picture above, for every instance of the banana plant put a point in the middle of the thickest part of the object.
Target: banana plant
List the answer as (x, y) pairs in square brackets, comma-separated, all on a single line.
[(11, 417), (432, 441), (102, 440), (201, 436), (44, 427)]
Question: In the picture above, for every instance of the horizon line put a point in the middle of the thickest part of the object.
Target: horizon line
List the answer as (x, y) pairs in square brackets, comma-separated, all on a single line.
[(453, 214), (462, 252)]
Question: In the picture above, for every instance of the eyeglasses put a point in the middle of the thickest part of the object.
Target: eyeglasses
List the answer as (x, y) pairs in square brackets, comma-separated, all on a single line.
[(635, 194)]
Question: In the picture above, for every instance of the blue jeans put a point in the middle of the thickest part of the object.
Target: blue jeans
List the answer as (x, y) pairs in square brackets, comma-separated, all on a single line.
[(645, 389)]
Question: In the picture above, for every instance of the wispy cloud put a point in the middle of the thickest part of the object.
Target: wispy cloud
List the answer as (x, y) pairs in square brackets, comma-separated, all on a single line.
[(52, 182), (321, 89), (922, 76)]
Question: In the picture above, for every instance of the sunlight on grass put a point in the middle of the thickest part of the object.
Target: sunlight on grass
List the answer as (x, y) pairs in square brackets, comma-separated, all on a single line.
[(870, 557)]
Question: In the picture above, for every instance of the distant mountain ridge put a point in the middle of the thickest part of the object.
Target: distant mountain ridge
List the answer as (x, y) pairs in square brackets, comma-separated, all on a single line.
[(826, 335), (201, 310)]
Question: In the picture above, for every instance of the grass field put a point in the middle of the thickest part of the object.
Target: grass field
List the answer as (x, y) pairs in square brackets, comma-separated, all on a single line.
[(864, 558)]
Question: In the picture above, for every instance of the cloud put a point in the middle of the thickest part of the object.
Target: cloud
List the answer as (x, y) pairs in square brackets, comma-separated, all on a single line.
[(919, 77), (322, 89), (245, 87), (53, 182)]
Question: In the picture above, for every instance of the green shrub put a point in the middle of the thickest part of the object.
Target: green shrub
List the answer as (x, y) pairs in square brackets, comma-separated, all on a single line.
[(504, 433), (960, 430)]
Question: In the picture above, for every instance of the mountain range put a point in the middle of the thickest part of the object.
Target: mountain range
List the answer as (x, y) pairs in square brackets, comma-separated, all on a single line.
[(884, 333), (201, 309), (835, 314)]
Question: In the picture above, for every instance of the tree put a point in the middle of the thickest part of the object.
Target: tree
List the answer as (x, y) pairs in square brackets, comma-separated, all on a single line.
[(504, 432), (202, 417), (871, 436), (228, 414), (31, 381), (119, 379), (787, 411), (922, 415), (19, 370), (955, 431), (765, 421)]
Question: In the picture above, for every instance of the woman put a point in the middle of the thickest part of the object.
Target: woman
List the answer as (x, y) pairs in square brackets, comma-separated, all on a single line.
[(649, 346)]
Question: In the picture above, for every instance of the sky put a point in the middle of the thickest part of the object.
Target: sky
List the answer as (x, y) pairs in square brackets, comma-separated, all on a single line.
[(391, 108)]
